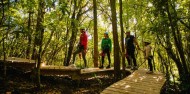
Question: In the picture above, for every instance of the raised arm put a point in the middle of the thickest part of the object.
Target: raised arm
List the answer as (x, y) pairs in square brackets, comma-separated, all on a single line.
[(136, 43)]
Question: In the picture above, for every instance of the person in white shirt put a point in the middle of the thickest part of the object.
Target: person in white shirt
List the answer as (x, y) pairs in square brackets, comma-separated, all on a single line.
[(148, 56)]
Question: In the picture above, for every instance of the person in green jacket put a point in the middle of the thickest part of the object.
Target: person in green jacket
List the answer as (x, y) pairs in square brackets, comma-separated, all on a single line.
[(106, 47)]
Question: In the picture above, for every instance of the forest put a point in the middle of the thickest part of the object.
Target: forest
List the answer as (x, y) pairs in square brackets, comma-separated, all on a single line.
[(48, 31)]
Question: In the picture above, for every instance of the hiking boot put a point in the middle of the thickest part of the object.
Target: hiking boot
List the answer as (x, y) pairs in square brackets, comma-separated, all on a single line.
[(108, 67), (149, 72), (101, 67), (134, 68), (128, 67)]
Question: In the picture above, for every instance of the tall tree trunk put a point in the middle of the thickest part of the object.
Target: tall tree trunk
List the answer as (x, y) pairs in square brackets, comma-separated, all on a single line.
[(171, 54), (29, 36), (39, 38), (122, 36), (95, 35), (4, 67), (127, 9), (48, 42), (66, 47), (5, 80), (178, 44), (187, 48), (72, 40), (3, 15), (117, 73), (73, 35), (188, 40)]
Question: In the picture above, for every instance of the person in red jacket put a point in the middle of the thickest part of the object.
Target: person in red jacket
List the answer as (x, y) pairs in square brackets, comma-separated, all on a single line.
[(82, 47)]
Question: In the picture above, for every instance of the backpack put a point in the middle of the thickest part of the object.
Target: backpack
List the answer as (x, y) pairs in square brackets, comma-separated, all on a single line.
[(129, 43)]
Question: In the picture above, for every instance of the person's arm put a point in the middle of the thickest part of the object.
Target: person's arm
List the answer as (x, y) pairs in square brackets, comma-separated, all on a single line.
[(125, 43), (102, 44), (110, 45), (125, 52), (101, 53), (85, 41)]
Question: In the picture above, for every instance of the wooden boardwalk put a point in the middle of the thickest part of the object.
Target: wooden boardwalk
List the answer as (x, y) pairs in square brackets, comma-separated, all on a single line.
[(137, 83), (75, 73), (26, 64)]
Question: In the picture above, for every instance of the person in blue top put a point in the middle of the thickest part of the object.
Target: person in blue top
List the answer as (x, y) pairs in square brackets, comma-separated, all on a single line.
[(130, 42), (106, 47)]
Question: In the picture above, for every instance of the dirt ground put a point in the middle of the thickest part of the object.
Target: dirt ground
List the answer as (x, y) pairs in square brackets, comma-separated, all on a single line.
[(23, 83)]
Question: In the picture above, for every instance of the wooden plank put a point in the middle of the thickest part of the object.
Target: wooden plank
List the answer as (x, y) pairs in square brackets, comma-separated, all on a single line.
[(25, 66), (59, 67), (144, 84), (75, 73), (92, 70), (97, 71), (19, 60), (114, 92), (20, 63), (147, 80), (138, 83), (140, 86), (55, 69), (130, 91), (137, 90)]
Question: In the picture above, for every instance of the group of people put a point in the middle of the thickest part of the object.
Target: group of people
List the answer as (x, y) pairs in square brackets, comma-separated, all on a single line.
[(106, 47), (130, 46)]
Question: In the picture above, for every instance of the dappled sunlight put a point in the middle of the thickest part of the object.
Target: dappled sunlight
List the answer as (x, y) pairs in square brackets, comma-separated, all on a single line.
[(123, 83), (135, 80), (43, 64), (142, 77), (127, 86), (157, 78), (139, 82), (131, 75)]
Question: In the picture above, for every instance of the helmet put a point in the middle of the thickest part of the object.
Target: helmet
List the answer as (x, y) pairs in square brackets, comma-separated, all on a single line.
[(82, 28), (147, 41), (106, 33)]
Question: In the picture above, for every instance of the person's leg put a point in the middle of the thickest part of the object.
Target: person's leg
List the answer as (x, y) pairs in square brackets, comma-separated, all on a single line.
[(133, 57), (129, 58), (134, 60), (150, 64), (74, 54), (84, 57), (103, 55), (108, 54), (102, 66), (129, 61)]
